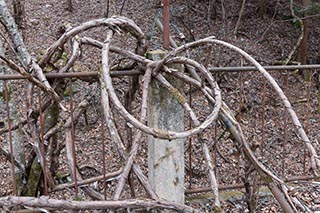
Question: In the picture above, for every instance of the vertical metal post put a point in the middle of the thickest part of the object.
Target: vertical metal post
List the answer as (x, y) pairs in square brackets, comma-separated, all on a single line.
[(263, 115), (166, 24), (6, 95), (42, 148), (74, 169), (103, 150), (309, 73), (285, 132), (190, 144)]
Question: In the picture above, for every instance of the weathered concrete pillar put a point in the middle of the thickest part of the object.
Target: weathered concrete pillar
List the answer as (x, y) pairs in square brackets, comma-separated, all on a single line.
[(165, 158)]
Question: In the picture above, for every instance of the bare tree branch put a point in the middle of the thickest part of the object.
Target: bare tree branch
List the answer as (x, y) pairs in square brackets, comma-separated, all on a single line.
[(45, 202)]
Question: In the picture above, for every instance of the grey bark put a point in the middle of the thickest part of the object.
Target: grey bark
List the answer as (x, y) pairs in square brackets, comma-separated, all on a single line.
[(17, 140), (24, 56), (12, 29)]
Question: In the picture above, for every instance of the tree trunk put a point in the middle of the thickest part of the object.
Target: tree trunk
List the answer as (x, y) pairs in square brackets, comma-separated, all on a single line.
[(263, 7), (19, 13), (303, 50), (212, 10), (70, 8), (16, 135)]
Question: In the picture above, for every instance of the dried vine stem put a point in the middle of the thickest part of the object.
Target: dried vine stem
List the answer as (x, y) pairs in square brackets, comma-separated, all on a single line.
[(76, 175), (130, 160), (115, 134), (116, 23), (103, 76), (106, 80), (45, 202), (75, 54), (156, 132)]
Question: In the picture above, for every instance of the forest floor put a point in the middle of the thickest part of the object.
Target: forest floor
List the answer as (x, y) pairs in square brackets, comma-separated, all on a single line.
[(269, 39)]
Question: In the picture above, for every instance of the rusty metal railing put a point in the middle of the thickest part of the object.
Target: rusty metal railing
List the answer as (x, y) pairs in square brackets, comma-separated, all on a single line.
[(280, 121)]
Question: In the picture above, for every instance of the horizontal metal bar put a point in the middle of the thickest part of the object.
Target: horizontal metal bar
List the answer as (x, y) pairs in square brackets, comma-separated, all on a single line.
[(273, 68), (137, 72), (72, 75), (241, 185)]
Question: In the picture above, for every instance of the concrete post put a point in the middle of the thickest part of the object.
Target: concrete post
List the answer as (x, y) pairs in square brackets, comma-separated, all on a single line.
[(165, 158)]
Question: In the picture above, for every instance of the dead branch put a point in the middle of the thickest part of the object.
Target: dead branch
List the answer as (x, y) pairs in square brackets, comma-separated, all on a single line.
[(46, 202), (69, 7), (224, 17), (212, 10), (239, 17), (271, 23)]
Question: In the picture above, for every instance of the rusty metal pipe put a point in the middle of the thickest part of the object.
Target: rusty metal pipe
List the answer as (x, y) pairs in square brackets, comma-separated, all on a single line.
[(166, 24), (137, 72), (241, 185)]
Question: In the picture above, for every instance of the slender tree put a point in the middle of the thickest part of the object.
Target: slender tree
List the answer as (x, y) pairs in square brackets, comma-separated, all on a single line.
[(19, 13), (303, 49), (263, 7)]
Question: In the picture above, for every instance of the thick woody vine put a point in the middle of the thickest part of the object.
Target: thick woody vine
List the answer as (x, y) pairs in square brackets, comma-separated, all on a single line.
[(196, 75)]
